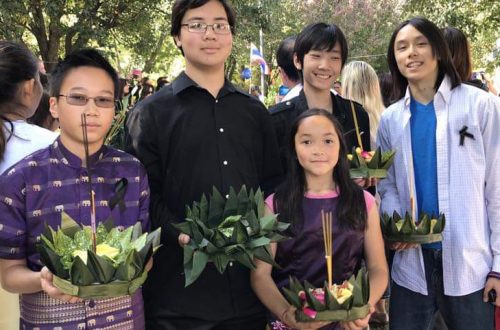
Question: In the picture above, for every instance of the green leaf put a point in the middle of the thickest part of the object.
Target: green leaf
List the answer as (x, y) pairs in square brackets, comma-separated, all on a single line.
[(245, 258), (68, 225), (80, 273), (240, 235), (231, 207), (259, 201), (131, 268), (184, 227), (311, 300), (268, 223), (295, 285), (376, 161), (263, 253), (408, 225), (194, 269), (331, 302), (424, 226), (253, 222), (243, 201), (258, 242), (101, 267), (216, 208), (203, 207), (229, 221), (50, 259), (221, 261), (292, 298), (439, 226), (387, 159), (136, 231)]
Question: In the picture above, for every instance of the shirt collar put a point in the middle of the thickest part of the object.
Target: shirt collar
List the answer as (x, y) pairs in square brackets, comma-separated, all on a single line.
[(443, 92), (183, 82), (66, 157)]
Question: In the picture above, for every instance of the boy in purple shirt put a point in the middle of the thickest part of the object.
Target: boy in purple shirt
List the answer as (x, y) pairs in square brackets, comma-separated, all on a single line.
[(36, 190)]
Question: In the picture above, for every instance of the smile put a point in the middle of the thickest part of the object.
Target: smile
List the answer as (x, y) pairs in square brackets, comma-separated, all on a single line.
[(414, 64)]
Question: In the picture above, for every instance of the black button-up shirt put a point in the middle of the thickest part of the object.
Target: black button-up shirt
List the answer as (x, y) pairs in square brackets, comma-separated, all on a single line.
[(189, 142)]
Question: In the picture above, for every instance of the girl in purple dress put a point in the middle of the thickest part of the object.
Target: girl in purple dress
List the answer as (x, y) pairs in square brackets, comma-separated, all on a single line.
[(318, 180)]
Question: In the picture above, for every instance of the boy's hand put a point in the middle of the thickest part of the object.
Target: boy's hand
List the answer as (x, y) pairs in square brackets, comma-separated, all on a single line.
[(183, 239), (46, 279), (366, 182), (492, 283), (288, 318), (358, 324)]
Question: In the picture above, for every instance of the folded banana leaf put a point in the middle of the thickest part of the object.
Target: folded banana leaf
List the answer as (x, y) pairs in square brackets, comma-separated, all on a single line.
[(373, 164), (324, 304), (225, 230), (116, 268), (397, 229)]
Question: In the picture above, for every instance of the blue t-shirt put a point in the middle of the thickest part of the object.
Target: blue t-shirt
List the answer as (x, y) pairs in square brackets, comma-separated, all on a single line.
[(423, 144)]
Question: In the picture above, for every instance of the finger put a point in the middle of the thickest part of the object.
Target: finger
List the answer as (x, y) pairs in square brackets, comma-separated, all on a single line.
[(487, 289)]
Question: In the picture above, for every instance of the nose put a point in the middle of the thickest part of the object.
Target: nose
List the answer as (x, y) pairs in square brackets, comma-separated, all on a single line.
[(210, 32), (91, 108)]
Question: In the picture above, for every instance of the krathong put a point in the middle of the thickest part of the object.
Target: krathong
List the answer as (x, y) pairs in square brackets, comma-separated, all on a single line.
[(372, 164), (226, 230)]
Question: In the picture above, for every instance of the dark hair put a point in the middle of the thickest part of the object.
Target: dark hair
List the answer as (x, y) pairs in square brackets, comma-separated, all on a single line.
[(386, 86), (459, 51), (17, 64), (442, 54), (160, 82), (42, 116), (182, 6), (284, 58), (320, 36), (350, 212), (80, 58)]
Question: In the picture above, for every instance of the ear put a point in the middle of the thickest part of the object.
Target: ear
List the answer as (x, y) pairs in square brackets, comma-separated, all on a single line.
[(29, 87), (54, 108), (177, 41), (296, 62)]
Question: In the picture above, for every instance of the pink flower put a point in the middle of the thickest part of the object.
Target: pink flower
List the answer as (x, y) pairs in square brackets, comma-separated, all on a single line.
[(302, 295), (319, 294), (309, 312)]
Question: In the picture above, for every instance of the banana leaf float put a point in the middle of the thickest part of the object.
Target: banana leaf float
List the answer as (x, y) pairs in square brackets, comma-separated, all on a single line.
[(373, 164), (116, 268), (345, 302), (397, 229), (228, 230)]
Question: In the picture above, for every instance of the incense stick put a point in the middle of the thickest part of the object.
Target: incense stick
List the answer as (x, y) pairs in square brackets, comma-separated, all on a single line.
[(356, 126), (326, 221), (411, 183), (91, 191)]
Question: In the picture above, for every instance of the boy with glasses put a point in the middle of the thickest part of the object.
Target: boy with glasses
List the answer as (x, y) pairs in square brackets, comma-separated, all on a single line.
[(196, 133), (37, 189)]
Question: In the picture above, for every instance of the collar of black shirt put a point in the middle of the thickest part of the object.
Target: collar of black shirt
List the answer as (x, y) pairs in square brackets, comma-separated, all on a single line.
[(183, 82)]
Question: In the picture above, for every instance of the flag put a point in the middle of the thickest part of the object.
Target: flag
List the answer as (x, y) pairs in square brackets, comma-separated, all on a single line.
[(256, 57)]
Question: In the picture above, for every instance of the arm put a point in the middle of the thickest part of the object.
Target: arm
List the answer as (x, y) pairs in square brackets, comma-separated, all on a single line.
[(18, 278), (269, 294)]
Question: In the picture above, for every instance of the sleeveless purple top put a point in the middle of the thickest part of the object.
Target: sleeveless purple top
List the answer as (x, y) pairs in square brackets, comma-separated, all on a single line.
[(304, 255)]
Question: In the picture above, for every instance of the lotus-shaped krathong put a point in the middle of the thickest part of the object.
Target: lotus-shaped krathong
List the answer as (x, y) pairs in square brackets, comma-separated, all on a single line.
[(345, 302), (373, 164), (226, 230), (117, 267), (397, 229)]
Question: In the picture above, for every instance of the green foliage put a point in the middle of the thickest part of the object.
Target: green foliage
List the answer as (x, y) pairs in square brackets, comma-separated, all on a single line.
[(397, 229), (370, 164), (323, 304), (120, 256), (225, 230)]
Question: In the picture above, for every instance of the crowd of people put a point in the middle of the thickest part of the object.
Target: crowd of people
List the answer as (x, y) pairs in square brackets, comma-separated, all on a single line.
[(201, 131)]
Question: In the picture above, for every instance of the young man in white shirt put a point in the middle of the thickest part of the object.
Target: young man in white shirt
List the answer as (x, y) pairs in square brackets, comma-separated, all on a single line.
[(448, 149)]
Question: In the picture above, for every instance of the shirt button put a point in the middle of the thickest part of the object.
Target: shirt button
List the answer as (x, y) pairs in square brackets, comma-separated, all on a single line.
[(221, 130), (91, 304), (225, 162), (227, 196), (216, 101)]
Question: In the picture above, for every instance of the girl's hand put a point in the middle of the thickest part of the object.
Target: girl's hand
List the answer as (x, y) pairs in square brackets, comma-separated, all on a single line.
[(288, 318), (358, 324), (183, 239), (46, 279)]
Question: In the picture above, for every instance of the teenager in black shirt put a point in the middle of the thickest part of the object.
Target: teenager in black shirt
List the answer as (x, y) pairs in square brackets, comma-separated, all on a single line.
[(196, 133)]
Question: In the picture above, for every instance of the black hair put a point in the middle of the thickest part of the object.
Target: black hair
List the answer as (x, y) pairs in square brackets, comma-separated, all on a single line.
[(350, 212), (320, 36), (459, 51), (182, 6), (284, 58), (442, 54), (80, 58), (17, 65), (386, 86), (42, 116)]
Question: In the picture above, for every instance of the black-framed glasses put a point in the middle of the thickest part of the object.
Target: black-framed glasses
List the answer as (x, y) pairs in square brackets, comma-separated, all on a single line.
[(198, 27), (81, 100)]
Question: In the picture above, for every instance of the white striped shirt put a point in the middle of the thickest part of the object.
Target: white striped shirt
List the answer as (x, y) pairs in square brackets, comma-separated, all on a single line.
[(468, 186)]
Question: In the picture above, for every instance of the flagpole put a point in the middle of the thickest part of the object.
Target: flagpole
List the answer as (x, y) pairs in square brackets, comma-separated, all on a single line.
[(261, 71), (250, 67)]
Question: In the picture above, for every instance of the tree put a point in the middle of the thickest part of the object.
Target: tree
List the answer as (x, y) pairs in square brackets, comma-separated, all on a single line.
[(478, 19)]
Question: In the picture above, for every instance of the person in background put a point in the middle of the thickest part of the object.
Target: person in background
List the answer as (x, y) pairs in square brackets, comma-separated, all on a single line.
[(20, 95), (460, 54), (386, 86), (447, 161), (337, 87), (287, 71), (161, 82), (360, 84)]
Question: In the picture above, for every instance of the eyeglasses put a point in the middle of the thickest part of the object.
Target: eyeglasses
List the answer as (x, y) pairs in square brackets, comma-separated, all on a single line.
[(219, 28), (81, 100)]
